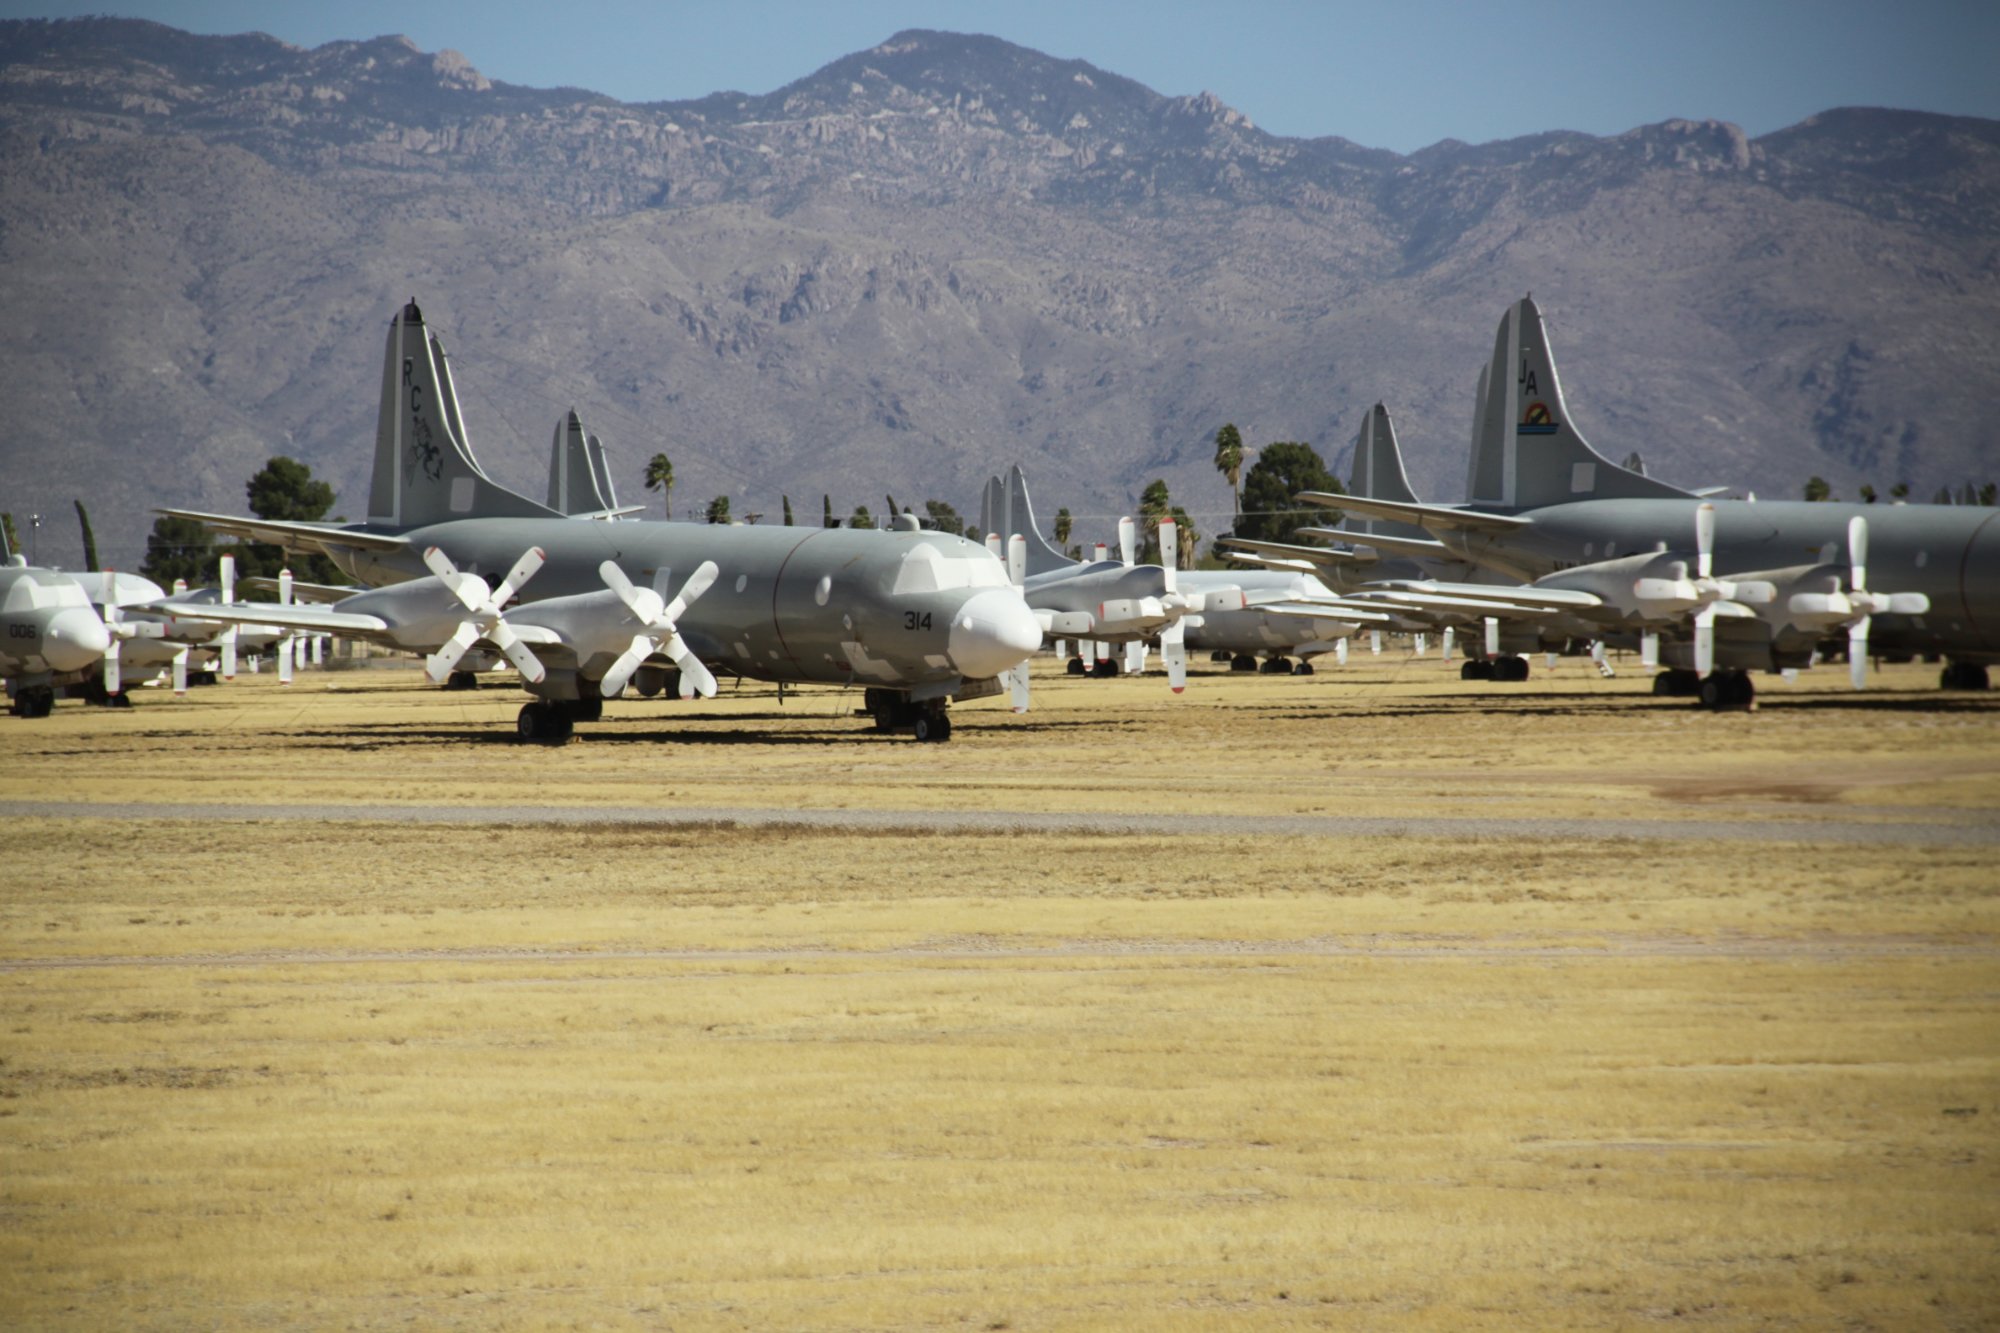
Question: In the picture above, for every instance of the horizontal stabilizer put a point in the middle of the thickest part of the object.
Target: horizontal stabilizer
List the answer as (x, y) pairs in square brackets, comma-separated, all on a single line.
[(311, 538), (1420, 547), (1436, 518)]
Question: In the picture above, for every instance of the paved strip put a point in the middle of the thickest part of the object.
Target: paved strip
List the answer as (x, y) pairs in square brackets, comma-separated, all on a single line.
[(1408, 948), (1470, 827)]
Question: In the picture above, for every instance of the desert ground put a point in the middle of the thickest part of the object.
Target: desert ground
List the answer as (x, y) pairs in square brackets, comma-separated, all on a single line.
[(1371, 998)]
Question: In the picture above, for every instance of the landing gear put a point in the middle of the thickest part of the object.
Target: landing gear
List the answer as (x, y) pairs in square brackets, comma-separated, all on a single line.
[(1222, 655), (1676, 683), (1277, 666), (545, 722), (1303, 669), (461, 680), (1243, 662), (1963, 676), (1509, 668), (891, 710), (1727, 688), (1104, 669), (1076, 666), (35, 702)]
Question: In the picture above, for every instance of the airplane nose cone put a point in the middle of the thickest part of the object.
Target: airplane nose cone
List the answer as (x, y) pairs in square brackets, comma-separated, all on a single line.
[(991, 632), (74, 639)]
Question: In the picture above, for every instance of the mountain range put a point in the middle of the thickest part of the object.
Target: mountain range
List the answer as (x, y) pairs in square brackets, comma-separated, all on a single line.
[(929, 260)]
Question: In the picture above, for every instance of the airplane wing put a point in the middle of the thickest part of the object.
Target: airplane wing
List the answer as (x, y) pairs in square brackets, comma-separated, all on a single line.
[(1327, 611), (323, 593), (1272, 562), (1318, 555), (1420, 602), (326, 620), (1434, 517), (1411, 546), (1550, 599), (309, 537)]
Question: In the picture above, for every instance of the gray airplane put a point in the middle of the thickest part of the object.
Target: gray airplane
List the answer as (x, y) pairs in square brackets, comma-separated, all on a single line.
[(913, 618), (50, 634), (1543, 502)]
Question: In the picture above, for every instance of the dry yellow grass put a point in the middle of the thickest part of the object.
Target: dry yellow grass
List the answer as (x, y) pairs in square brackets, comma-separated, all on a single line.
[(331, 1072)]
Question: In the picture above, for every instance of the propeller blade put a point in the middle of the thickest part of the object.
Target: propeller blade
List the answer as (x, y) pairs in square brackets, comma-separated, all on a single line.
[(1170, 550), (1704, 539), (1135, 657), (1704, 640), (1128, 539), (1857, 552), (437, 666), (439, 564), (1649, 650), (285, 656), (698, 583), (180, 671), (226, 571), (1450, 635), (1173, 651), (523, 570), (614, 579), (1018, 684), (284, 587), (229, 650), (1857, 648), (696, 678), (613, 683), (1492, 636), (114, 681), (1017, 559), (995, 545), (507, 641)]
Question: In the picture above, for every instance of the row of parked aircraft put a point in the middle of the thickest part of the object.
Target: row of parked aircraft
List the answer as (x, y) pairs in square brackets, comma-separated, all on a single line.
[(1557, 549)]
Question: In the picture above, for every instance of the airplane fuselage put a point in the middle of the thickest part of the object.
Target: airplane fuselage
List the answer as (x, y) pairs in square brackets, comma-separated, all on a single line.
[(1950, 553), (900, 610)]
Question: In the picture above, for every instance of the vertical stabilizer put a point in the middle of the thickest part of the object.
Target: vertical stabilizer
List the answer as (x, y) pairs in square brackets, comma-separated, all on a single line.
[(993, 508), (574, 484), (1378, 474), (1527, 452), (1020, 515), (600, 469), (424, 473)]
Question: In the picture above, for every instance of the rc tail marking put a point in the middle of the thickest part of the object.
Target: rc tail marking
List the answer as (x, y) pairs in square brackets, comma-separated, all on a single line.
[(425, 471)]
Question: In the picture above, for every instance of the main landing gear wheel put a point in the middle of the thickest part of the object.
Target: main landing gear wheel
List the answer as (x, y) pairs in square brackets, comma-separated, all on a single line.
[(34, 703), (1104, 669), (461, 680), (932, 726), (1475, 668), (1726, 689), (1676, 683), (1243, 662), (1303, 669), (1963, 676), (1277, 666), (1513, 668), (544, 723), (1076, 666)]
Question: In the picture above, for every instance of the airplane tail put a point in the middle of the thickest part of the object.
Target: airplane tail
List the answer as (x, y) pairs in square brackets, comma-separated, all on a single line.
[(424, 468), (600, 468), (1019, 517), (1526, 451), (577, 480), (1377, 474)]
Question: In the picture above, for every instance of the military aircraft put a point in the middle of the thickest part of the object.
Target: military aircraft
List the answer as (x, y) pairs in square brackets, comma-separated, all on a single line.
[(915, 619), (1542, 501), (1101, 602), (50, 634)]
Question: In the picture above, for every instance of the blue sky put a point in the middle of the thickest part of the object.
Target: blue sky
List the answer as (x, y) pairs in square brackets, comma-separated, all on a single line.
[(1389, 75)]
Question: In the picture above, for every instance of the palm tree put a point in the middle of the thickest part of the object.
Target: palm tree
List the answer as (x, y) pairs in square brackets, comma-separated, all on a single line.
[(1062, 529), (660, 477), (1154, 505), (788, 509), (1229, 462), (718, 509)]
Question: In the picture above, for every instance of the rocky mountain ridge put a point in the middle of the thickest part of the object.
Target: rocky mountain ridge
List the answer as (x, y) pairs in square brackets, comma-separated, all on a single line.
[(928, 259)]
